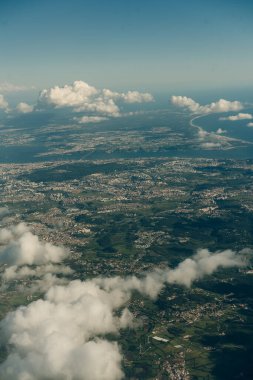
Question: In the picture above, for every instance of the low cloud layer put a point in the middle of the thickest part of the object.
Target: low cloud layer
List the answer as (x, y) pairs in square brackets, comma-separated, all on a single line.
[(57, 338), (82, 97), (22, 255), (63, 336), (90, 119), (239, 116), (25, 108), (22, 247), (201, 264), (220, 106)]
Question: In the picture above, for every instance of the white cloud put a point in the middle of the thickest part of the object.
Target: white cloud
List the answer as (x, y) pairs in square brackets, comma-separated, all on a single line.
[(221, 131), (22, 255), (239, 116), (137, 97), (250, 125), (90, 119), (83, 97), (25, 108), (183, 101), (129, 97), (21, 247), (3, 103), (57, 337), (202, 264), (220, 106), (76, 95)]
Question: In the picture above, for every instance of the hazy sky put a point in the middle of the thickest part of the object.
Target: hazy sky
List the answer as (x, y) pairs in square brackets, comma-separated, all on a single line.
[(146, 44)]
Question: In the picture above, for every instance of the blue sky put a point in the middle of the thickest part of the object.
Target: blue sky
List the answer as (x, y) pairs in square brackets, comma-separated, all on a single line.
[(142, 44)]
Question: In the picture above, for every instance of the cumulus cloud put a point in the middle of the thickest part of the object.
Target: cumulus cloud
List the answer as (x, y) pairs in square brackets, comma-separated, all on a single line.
[(83, 97), (220, 106), (63, 336), (220, 131), (90, 119), (239, 116), (76, 95), (130, 96), (3, 103), (202, 264), (250, 125), (184, 101), (57, 337), (22, 255), (25, 108), (22, 247), (137, 97)]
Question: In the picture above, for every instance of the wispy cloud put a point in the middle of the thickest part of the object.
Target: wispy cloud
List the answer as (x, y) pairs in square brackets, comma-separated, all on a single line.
[(10, 87)]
